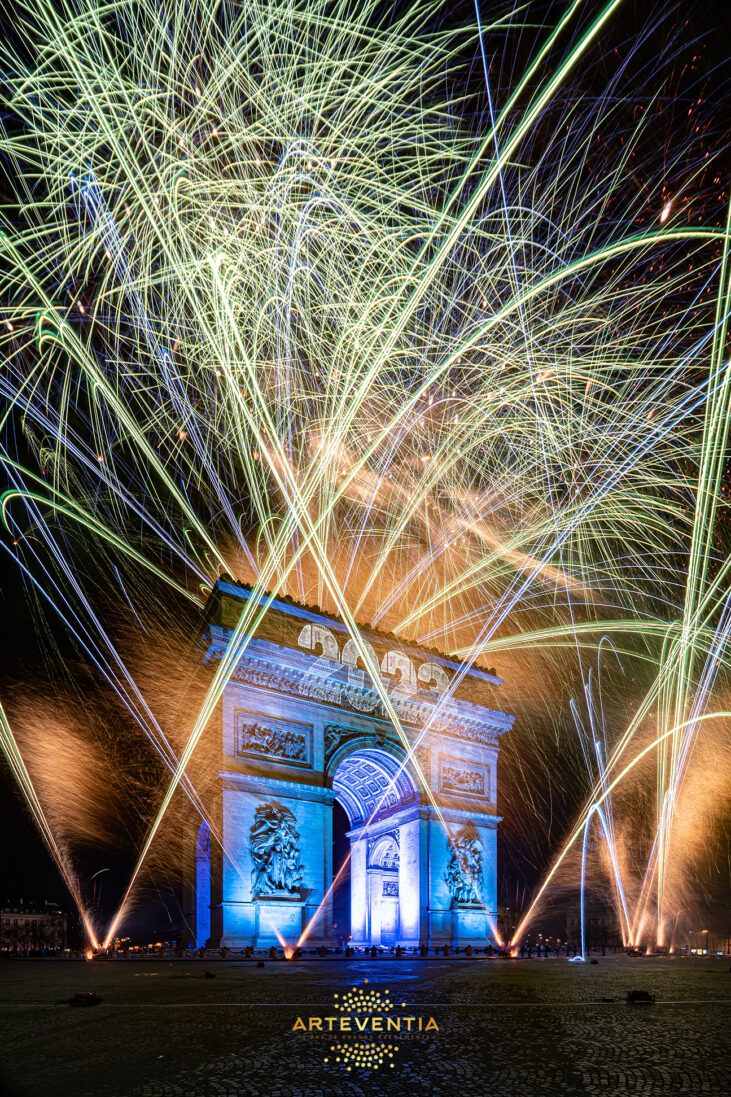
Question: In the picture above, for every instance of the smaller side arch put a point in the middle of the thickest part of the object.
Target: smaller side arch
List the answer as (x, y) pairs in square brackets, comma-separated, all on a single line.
[(385, 852)]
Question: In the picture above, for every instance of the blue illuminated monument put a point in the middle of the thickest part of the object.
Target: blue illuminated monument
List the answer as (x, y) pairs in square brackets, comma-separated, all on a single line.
[(302, 725)]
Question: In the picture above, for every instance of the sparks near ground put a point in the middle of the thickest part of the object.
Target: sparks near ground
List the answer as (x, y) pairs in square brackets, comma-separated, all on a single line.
[(337, 304)]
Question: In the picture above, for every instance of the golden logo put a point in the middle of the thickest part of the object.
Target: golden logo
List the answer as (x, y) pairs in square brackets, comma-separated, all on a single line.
[(365, 1029)]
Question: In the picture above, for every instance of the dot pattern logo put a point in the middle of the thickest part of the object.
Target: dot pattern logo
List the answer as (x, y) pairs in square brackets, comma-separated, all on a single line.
[(364, 1029), (366, 1054), (358, 1000)]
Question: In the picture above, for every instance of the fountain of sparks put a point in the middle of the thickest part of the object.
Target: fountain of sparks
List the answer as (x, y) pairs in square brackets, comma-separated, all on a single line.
[(281, 299)]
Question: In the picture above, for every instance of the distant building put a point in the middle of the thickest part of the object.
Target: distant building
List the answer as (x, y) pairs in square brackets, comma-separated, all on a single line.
[(34, 925), (601, 925)]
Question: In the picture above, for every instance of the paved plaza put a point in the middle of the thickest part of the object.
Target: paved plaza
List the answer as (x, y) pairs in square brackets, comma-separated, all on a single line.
[(507, 1028)]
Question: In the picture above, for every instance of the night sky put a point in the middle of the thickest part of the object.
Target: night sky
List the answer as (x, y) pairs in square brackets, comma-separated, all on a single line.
[(26, 870)]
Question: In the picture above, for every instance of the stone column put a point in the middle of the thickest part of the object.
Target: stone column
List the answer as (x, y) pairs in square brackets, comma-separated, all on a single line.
[(411, 881), (327, 912), (375, 903), (202, 899), (359, 927)]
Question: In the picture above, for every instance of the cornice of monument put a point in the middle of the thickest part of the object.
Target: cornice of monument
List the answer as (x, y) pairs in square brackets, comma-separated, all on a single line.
[(315, 615), (301, 674)]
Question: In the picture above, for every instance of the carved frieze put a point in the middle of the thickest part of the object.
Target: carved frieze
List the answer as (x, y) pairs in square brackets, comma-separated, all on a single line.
[(422, 757), (320, 687), (259, 736), (390, 887), (361, 700), (333, 739), (459, 777), (336, 735), (471, 732)]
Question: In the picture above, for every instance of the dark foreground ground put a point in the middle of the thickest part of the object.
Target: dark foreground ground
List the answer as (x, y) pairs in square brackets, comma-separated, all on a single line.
[(506, 1028)]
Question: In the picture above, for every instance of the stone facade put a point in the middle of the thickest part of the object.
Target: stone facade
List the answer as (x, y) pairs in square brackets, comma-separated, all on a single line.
[(303, 724), (32, 926)]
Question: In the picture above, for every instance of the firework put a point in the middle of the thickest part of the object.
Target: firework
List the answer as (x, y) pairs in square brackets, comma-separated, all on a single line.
[(313, 296)]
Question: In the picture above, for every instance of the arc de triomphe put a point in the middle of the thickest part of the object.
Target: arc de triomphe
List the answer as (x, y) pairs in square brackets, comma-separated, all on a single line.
[(302, 726)]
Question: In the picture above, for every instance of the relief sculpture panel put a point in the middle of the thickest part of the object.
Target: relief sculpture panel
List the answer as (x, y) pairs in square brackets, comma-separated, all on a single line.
[(259, 736)]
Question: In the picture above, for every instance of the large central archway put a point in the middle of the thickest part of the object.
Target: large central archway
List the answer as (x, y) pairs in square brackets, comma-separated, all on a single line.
[(379, 796)]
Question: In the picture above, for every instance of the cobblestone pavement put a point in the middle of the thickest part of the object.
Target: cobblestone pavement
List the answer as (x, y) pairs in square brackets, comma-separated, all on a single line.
[(506, 1028)]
